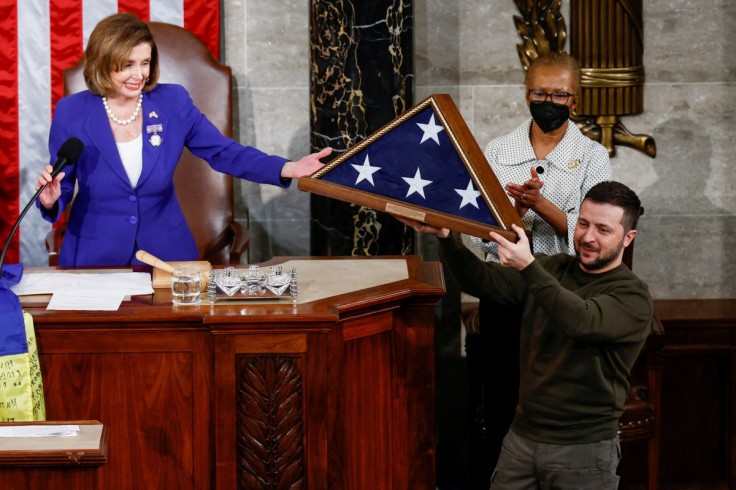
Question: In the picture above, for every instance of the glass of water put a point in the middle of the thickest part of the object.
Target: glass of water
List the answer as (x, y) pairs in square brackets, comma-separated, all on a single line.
[(185, 286)]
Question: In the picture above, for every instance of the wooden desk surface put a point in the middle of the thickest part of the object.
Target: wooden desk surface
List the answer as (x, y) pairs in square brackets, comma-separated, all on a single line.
[(199, 397), (87, 448), (424, 279), (674, 311)]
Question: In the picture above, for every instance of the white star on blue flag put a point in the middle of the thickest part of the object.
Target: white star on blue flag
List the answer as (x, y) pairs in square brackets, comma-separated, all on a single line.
[(469, 195), (431, 130), (366, 171), (417, 184)]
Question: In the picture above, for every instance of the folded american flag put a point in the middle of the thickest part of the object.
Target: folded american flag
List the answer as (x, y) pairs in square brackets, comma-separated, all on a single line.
[(424, 165)]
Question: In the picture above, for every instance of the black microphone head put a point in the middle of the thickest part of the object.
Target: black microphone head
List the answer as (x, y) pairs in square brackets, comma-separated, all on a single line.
[(540, 169), (70, 150)]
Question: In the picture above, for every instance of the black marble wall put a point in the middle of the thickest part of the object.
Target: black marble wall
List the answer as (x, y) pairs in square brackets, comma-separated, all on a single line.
[(361, 78)]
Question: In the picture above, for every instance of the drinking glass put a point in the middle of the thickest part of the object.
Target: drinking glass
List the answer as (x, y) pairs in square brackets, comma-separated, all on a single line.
[(185, 286)]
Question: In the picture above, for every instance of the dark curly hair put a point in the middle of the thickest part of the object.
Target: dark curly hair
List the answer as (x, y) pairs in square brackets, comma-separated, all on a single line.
[(616, 193)]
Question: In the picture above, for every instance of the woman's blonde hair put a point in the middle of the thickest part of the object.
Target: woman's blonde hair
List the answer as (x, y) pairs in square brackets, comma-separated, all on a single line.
[(109, 47)]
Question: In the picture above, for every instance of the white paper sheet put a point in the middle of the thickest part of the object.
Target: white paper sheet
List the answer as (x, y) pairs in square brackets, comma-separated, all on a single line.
[(85, 291), (86, 300), (51, 282), (39, 430)]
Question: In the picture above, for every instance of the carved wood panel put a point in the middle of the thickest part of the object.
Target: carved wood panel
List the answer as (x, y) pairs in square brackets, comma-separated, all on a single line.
[(270, 427)]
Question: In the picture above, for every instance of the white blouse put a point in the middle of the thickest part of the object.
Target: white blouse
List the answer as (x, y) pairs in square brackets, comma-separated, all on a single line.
[(131, 153)]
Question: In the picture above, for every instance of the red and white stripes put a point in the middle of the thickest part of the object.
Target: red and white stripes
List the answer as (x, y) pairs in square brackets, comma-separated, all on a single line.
[(40, 38)]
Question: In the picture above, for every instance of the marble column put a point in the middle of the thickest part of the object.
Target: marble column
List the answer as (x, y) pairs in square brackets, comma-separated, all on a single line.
[(361, 78)]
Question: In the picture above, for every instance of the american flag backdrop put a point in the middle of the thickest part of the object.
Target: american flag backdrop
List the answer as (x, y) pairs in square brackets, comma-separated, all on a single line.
[(40, 38)]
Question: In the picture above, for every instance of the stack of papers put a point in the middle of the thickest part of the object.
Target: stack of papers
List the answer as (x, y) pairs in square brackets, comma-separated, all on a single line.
[(39, 431), (85, 291)]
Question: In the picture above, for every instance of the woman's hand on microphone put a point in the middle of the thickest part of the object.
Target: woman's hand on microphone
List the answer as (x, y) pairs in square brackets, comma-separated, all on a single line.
[(52, 191)]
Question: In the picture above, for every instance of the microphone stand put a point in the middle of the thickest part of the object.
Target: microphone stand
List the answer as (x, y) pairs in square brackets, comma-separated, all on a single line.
[(67, 154), (15, 227)]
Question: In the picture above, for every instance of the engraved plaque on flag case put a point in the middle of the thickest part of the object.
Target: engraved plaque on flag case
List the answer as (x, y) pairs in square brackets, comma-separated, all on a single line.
[(424, 165)]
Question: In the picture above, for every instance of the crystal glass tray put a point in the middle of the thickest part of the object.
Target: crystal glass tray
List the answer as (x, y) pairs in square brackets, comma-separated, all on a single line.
[(253, 283)]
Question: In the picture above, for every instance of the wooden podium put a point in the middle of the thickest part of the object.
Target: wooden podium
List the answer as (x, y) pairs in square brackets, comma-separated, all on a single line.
[(332, 393)]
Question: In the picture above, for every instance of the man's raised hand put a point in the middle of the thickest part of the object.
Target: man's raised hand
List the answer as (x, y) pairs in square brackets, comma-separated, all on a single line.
[(515, 255)]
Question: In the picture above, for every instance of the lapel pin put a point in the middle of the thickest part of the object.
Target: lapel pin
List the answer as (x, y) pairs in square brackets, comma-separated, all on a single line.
[(152, 114), (155, 138)]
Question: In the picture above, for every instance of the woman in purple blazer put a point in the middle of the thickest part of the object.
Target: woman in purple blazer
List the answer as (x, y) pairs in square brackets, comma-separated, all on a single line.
[(133, 132)]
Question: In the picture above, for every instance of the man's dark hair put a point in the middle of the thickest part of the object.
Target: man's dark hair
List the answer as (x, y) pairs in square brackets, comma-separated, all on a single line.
[(611, 192)]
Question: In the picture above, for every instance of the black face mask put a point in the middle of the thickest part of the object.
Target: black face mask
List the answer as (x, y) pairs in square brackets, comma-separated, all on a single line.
[(548, 115)]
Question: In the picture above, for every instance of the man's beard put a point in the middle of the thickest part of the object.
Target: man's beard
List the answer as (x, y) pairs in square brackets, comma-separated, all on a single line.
[(603, 260)]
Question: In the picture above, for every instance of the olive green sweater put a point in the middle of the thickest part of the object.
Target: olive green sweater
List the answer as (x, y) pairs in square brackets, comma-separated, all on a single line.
[(580, 336)]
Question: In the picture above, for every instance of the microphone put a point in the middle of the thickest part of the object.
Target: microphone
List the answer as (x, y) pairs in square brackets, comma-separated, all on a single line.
[(68, 154), (540, 169)]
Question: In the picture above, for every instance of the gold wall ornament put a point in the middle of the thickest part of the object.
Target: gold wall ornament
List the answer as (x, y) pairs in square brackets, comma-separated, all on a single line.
[(541, 28), (607, 39)]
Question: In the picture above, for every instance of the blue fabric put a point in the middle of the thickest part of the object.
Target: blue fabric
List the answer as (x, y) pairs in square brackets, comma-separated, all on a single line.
[(399, 153), (12, 326), (12, 274), (110, 219)]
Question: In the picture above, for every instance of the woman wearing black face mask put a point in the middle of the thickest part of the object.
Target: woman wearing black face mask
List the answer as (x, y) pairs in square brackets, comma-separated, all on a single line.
[(549, 114), (547, 166)]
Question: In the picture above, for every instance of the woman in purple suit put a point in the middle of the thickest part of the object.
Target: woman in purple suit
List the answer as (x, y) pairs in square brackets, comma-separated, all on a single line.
[(133, 132)]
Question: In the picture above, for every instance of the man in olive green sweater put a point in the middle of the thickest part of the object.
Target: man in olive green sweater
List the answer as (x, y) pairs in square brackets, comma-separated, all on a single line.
[(585, 319)]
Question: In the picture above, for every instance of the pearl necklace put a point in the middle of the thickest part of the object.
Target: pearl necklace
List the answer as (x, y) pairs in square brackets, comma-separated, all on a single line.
[(123, 121)]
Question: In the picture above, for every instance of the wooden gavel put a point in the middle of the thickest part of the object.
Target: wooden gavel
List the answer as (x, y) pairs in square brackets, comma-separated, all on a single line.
[(154, 261)]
